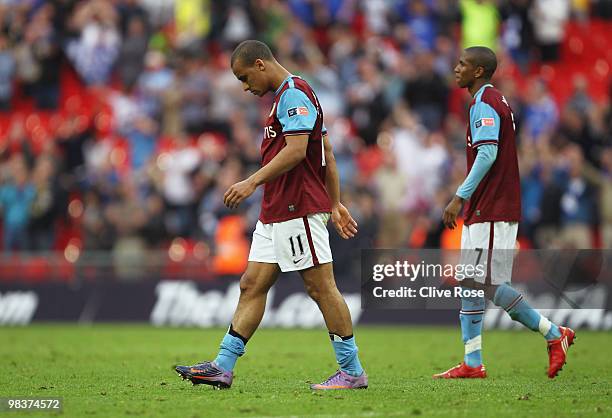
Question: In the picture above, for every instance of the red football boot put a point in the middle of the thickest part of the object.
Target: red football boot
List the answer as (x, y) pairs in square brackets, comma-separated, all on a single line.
[(557, 351), (463, 371)]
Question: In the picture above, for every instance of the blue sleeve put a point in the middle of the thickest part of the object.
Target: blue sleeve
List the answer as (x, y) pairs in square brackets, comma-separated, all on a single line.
[(484, 124), (295, 112), (484, 160)]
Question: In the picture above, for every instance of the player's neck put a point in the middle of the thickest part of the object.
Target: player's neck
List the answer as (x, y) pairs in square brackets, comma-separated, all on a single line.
[(279, 74), (473, 89)]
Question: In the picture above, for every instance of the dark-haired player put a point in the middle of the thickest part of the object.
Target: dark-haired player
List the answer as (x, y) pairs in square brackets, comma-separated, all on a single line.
[(301, 193), (492, 195)]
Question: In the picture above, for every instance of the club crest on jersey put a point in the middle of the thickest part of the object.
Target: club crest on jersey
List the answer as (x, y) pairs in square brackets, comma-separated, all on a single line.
[(302, 110), (485, 122)]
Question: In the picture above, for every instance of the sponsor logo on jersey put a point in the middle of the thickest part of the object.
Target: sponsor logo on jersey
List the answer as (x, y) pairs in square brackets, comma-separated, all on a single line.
[(300, 111), (485, 122)]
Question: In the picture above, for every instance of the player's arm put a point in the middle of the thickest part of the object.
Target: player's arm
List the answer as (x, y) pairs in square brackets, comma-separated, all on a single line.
[(483, 162), (484, 125), (341, 218), (297, 116), (291, 155)]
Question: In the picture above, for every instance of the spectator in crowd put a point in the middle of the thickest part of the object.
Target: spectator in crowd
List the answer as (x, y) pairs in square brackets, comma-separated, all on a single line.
[(130, 12), (7, 70), (96, 47), (46, 205), (391, 185), (96, 230), (549, 18), (421, 23), (194, 85), (38, 59), (133, 49), (179, 166), (517, 35), (479, 23), (142, 141), (155, 81), (211, 208), (541, 113), (605, 198), (16, 197), (426, 92), (578, 201), (580, 99), (127, 216), (366, 104)]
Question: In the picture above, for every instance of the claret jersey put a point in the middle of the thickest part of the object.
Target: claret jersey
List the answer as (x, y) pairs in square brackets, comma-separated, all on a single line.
[(498, 196), (301, 190)]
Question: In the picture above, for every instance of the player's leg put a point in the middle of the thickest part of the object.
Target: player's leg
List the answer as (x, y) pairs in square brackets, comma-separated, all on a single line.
[(254, 286), (470, 315), (321, 286), (472, 307), (513, 302), (303, 245), (502, 294), (261, 273), (558, 338)]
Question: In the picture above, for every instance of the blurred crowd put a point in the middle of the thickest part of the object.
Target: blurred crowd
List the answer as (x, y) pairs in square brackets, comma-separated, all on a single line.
[(123, 125)]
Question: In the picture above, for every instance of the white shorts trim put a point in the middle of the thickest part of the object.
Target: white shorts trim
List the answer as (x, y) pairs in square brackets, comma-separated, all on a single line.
[(296, 244), (478, 244)]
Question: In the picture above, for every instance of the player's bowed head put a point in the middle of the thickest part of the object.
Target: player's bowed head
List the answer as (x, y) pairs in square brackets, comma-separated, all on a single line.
[(255, 67)]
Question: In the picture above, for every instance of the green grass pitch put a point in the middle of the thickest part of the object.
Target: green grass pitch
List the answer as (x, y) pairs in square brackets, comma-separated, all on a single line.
[(126, 370)]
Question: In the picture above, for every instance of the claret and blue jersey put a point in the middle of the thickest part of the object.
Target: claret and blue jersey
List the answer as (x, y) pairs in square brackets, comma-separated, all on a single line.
[(497, 196), (300, 191)]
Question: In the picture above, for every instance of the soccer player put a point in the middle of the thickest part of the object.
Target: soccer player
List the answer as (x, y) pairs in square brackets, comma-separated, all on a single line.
[(491, 192), (301, 193)]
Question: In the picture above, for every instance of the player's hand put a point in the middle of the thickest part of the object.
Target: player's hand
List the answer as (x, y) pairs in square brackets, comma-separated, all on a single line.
[(238, 192), (343, 221), (449, 218)]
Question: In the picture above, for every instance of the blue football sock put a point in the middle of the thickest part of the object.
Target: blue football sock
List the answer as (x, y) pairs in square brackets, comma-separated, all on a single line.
[(519, 310), (232, 347), (346, 354), (471, 314)]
